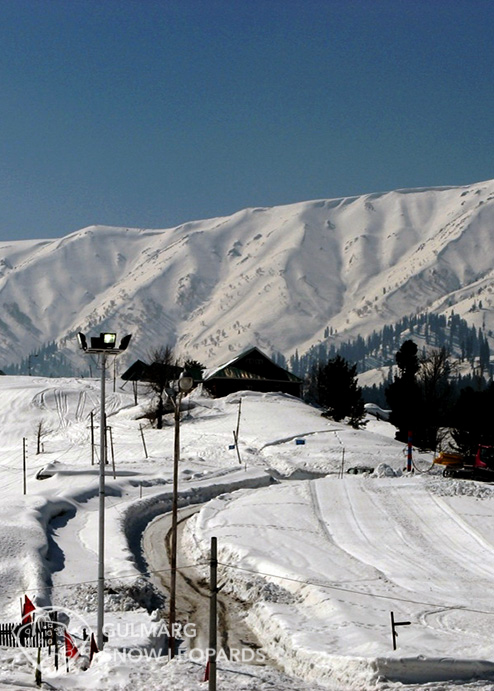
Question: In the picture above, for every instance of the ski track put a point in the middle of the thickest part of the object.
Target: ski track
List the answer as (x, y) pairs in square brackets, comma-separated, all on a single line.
[(416, 524), (429, 554)]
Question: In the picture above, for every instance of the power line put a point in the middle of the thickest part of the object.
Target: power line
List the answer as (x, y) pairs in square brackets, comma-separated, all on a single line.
[(144, 574), (328, 586)]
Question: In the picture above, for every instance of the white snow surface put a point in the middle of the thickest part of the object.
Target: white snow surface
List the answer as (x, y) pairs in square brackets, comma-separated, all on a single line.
[(275, 278), (318, 557)]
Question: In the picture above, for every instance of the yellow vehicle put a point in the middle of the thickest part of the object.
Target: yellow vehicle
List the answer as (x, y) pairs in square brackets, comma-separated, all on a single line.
[(478, 467), (448, 458)]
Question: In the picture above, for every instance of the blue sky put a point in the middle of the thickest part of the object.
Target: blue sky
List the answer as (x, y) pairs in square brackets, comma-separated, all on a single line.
[(150, 113)]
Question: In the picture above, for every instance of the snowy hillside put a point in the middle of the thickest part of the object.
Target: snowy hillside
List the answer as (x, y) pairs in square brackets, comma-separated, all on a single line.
[(312, 559), (275, 277)]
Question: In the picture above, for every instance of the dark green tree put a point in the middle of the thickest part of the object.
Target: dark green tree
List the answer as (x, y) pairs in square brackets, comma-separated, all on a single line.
[(336, 389), (403, 395), (194, 368), (472, 420), (437, 398), (421, 397)]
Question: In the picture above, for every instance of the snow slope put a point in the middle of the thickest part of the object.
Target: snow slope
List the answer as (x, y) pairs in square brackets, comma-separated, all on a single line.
[(272, 277), (317, 558)]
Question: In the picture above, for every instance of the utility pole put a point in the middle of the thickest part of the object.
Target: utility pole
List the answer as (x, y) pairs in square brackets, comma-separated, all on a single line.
[(92, 438), (185, 384), (213, 589), (173, 559), (24, 483)]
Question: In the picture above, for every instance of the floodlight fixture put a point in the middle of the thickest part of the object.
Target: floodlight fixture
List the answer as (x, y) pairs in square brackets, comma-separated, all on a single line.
[(109, 340), (106, 343), (81, 339), (125, 342), (103, 345)]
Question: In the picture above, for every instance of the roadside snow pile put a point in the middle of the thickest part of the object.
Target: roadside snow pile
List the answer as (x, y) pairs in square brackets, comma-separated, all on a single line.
[(448, 487), (385, 470)]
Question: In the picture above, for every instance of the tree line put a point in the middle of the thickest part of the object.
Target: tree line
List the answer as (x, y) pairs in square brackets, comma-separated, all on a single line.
[(468, 343), (426, 397)]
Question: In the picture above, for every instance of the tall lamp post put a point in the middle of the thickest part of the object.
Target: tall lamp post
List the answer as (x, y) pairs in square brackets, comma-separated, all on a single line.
[(184, 385), (103, 345)]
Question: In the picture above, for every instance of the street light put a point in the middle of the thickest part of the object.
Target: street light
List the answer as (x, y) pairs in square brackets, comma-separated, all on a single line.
[(104, 345), (183, 386)]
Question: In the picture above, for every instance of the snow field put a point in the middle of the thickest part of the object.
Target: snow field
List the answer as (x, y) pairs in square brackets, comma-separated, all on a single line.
[(321, 558)]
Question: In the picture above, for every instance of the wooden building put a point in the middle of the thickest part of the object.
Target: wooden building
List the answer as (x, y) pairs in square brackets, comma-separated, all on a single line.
[(252, 370), (140, 371)]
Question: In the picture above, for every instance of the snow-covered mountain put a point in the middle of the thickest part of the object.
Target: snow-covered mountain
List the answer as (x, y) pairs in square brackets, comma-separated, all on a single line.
[(272, 277)]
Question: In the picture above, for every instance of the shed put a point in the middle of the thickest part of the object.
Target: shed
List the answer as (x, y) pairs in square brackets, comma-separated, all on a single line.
[(140, 371), (252, 370)]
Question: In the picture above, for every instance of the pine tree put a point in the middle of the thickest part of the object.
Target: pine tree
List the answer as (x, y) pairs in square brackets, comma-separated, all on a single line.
[(338, 392), (403, 395)]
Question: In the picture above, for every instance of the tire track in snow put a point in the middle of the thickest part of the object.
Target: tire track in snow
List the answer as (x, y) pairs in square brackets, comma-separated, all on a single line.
[(354, 566), (81, 404), (426, 552), (408, 535)]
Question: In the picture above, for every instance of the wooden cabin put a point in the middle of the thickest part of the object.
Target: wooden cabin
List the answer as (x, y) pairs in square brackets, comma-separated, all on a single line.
[(252, 370)]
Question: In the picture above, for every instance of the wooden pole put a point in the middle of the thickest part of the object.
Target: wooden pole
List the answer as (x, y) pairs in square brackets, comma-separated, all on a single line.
[(235, 439), (393, 630), (37, 673), (112, 452), (92, 438), (24, 483), (55, 637), (173, 547), (394, 624), (342, 461), (409, 454), (213, 619), (238, 418), (143, 441), (236, 431)]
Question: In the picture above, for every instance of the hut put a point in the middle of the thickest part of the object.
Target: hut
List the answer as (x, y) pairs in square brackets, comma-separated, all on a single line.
[(252, 370)]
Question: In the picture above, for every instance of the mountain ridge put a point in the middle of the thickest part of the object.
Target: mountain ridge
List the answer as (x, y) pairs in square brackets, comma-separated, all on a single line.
[(275, 277)]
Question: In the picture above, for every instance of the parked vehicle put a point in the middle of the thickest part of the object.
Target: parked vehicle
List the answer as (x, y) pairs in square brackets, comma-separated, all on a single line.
[(478, 467)]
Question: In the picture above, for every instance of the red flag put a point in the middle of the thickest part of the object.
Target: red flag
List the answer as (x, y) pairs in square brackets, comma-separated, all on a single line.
[(93, 648), (206, 673), (26, 610), (70, 646)]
